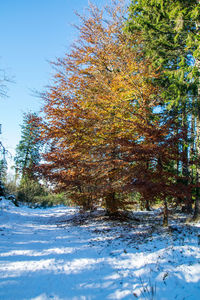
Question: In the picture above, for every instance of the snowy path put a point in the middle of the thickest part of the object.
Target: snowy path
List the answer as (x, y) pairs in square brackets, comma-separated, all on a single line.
[(42, 257)]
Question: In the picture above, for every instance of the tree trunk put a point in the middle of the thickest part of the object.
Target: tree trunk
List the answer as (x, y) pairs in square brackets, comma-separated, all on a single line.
[(165, 214), (185, 172), (111, 203), (192, 148), (196, 215), (147, 206)]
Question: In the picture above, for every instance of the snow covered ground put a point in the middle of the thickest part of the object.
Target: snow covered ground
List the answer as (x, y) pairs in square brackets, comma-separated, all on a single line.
[(47, 254)]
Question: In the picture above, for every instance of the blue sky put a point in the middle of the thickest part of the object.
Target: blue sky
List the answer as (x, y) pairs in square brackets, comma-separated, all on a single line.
[(32, 32)]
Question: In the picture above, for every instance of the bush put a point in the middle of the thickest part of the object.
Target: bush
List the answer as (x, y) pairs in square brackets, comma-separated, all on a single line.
[(51, 200), (28, 190), (34, 194), (10, 187)]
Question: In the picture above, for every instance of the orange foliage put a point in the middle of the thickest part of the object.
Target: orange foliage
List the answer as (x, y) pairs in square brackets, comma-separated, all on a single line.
[(102, 131)]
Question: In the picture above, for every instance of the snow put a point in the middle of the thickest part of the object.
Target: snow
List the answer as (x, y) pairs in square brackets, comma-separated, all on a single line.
[(53, 254)]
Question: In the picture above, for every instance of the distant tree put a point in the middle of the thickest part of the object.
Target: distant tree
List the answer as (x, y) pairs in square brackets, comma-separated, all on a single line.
[(27, 159), (3, 168), (3, 163), (28, 150)]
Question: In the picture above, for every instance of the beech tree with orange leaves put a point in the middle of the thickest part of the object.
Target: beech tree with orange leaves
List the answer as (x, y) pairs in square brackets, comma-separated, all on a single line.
[(103, 134)]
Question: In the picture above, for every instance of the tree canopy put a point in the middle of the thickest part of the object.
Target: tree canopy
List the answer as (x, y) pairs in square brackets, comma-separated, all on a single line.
[(105, 122)]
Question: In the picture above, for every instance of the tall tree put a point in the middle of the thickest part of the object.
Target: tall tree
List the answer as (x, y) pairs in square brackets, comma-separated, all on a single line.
[(3, 168), (170, 39), (103, 134), (3, 151), (28, 149)]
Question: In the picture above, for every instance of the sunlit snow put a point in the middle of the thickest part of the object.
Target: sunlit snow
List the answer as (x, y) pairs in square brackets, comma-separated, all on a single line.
[(43, 255)]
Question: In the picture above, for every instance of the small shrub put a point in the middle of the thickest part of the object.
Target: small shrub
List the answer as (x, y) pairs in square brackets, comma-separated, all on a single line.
[(10, 187), (51, 199), (29, 189)]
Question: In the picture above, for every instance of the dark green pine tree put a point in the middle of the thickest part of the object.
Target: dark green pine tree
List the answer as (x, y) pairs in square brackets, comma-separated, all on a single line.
[(171, 41), (28, 150), (27, 159), (194, 43)]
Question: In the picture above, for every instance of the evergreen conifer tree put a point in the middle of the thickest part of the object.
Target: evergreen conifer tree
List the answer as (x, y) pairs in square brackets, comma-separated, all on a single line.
[(27, 159), (3, 169), (28, 149), (171, 41)]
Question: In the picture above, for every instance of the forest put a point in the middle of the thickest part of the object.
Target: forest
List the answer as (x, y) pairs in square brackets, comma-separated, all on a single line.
[(119, 126)]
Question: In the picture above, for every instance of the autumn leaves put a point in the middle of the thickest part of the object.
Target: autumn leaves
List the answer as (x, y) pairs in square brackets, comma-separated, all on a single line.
[(105, 132)]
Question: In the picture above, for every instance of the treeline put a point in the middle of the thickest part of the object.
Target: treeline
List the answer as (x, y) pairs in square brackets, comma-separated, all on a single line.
[(25, 187), (121, 117)]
